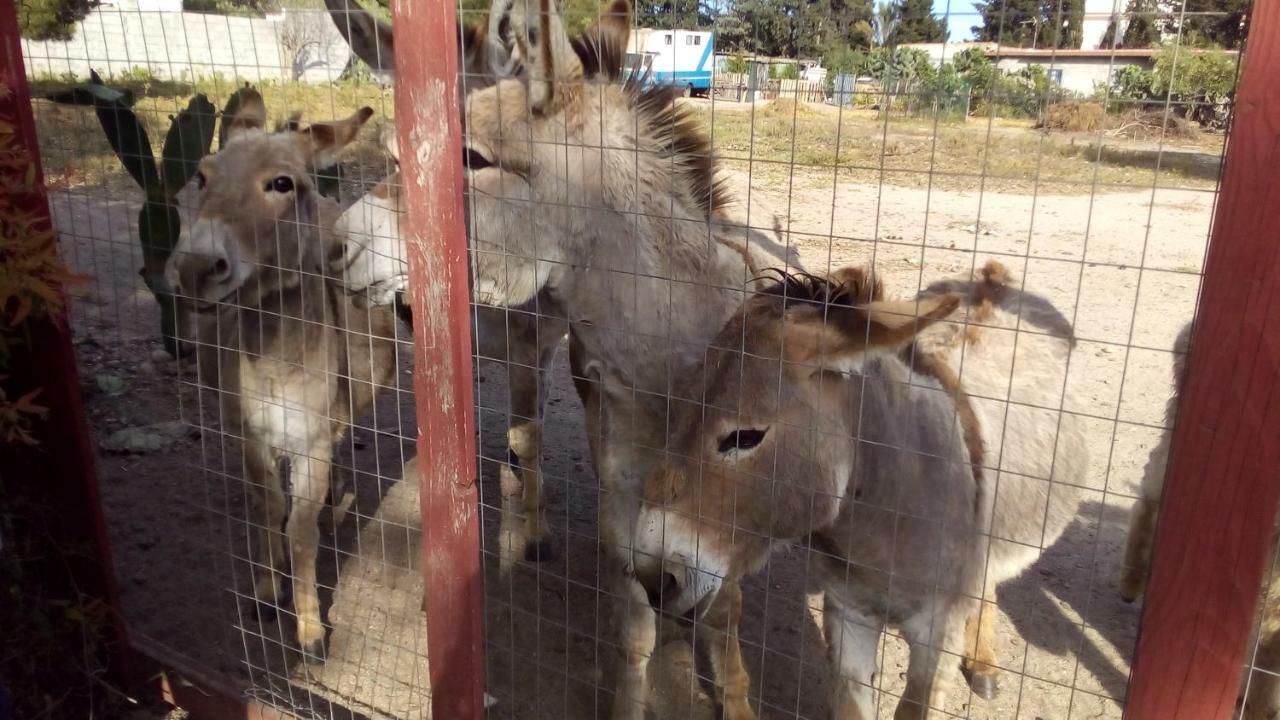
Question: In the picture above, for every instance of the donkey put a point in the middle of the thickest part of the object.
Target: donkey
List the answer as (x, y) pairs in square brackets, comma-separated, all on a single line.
[(1260, 696), (525, 338), (805, 420), (605, 195), (623, 230), (294, 359), (1142, 523)]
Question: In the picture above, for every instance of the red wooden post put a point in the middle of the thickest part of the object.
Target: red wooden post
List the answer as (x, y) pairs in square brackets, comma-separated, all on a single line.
[(60, 473), (430, 135), (1224, 474)]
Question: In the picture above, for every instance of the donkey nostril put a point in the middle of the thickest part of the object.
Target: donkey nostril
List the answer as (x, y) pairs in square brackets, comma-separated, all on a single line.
[(670, 586), (220, 267), (667, 591)]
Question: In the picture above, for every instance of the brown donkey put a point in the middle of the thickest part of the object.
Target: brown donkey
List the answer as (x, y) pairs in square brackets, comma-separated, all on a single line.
[(805, 420), (294, 359)]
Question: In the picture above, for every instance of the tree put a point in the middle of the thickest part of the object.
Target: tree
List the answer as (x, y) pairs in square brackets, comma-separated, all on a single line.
[(1109, 39), (1064, 23), (884, 22), (1214, 22), (52, 19), (1141, 30), (976, 68), (917, 23), (1008, 22), (1031, 23), (305, 37), (759, 27), (683, 14)]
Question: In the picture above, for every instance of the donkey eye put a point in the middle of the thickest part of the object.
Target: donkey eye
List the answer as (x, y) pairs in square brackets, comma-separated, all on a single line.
[(475, 160), (281, 184), (742, 440)]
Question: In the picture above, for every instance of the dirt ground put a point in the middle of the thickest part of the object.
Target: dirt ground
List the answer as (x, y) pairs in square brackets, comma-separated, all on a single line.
[(1124, 265)]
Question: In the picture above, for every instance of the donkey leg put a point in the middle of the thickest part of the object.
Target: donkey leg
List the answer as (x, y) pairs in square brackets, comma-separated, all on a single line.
[(266, 553), (637, 631), (310, 482), (1137, 552), (928, 678), (852, 641), (719, 626), (979, 663), (532, 344)]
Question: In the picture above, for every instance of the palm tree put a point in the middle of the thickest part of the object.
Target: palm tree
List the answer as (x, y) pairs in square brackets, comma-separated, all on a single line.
[(884, 21)]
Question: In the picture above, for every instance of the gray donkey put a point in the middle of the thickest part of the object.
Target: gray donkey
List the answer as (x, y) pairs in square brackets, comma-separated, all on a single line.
[(804, 420), (525, 338), (294, 359)]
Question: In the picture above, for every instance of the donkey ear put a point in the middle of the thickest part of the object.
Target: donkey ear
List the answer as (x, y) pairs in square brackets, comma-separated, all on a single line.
[(840, 337), (608, 36), (892, 324), (534, 36), (250, 115), (370, 38), (328, 139)]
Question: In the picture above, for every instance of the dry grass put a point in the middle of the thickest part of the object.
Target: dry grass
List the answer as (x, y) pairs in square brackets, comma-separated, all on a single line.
[(864, 147), (1075, 116)]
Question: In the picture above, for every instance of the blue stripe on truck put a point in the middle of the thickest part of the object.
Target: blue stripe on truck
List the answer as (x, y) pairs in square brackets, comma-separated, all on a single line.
[(706, 52), (698, 79)]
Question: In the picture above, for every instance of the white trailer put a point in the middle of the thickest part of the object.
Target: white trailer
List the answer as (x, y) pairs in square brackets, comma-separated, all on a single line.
[(685, 58)]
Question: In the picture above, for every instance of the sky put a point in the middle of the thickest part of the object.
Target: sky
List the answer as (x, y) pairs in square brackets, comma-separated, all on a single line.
[(960, 19)]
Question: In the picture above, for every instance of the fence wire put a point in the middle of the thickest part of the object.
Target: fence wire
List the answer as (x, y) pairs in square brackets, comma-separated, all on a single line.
[(1091, 183)]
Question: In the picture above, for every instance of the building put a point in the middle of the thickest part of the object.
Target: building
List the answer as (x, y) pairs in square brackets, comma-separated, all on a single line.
[(1078, 71)]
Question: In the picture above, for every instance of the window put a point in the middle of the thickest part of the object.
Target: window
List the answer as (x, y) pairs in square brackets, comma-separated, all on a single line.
[(692, 39), (667, 37), (1055, 76)]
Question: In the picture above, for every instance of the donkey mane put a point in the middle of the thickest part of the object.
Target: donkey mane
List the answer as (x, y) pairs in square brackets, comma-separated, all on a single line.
[(850, 287), (676, 128), (681, 139)]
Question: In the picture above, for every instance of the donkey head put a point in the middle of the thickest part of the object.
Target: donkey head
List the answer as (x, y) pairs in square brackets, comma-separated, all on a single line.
[(763, 444), (568, 158), (258, 213)]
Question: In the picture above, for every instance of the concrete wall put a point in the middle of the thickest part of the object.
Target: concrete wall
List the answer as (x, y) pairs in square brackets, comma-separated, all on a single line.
[(1078, 74), (180, 45)]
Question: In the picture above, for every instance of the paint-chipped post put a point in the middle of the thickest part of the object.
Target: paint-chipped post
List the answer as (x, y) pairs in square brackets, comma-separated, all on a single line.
[(1223, 483), (428, 127)]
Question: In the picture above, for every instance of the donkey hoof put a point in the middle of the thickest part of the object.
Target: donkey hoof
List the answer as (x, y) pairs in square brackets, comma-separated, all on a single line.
[(985, 685), (314, 650), (539, 551)]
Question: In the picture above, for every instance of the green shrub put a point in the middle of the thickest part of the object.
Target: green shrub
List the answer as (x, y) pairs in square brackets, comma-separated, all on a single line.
[(736, 64), (52, 19), (784, 71)]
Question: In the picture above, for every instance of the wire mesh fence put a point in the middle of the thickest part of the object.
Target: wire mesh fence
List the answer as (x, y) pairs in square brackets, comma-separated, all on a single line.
[(761, 373)]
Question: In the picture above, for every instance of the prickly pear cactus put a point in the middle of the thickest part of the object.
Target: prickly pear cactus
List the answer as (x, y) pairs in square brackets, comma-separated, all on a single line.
[(189, 139)]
